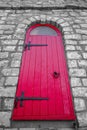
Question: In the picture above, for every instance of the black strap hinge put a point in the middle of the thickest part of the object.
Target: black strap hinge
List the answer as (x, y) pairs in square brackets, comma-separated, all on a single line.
[(32, 45), (23, 98)]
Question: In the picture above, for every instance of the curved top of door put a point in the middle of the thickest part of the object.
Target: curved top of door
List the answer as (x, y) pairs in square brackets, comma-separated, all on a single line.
[(43, 29)]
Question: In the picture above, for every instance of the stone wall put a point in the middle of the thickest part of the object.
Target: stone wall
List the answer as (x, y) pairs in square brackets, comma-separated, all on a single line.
[(43, 3), (13, 25)]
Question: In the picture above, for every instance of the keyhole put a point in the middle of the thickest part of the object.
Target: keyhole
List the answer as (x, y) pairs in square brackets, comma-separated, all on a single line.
[(55, 74)]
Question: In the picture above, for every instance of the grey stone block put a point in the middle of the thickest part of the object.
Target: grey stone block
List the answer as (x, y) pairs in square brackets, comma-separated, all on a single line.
[(5, 119), (3, 55), (73, 55), (79, 104), (11, 81)]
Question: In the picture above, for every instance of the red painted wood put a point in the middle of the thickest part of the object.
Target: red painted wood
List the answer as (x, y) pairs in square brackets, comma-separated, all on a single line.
[(36, 80)]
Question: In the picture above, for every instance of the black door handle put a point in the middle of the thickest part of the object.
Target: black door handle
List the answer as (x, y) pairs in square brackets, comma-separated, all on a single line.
[(56, 74)]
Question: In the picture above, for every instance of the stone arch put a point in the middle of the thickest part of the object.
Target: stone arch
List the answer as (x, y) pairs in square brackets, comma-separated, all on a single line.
[(58, 22)]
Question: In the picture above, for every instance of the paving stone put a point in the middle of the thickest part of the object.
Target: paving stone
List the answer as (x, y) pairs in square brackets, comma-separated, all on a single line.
[(73, 55), (10, 72), (84, 81), (72, 63), (3, 55), (76, 82), (7, 92), (79, 92), (11, 81), (77, 72), (82, 118), (79, 104), (9, 48), (5, 119), (8, 103)]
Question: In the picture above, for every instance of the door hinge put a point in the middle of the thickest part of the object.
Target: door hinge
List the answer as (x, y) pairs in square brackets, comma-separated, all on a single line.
[(32, 45), (23, 98)]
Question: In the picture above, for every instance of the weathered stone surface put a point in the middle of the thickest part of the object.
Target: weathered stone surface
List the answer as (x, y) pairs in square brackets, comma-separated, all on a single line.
[(0, 103), (73, 36), (84, 81), (79, 104), (78, 48), (83, 42), (7, 92), (11, 129), (79, 92), (71, 42), (21, 42), (70, 47), (82, 63), (82, 118), (11, 81), (84, 55), (8, 103), (5, 37), (77, 72), (27, 129), (10, 72), (5, 119), (2, 79), (20, 49), (9, 48), (4, 63), (80, 31), (15, 63), (72, 63), (3, 55), (76, 82), (7, 27), (73, 55), (67, 29), (1, 128), (16, 56), (9, 42)]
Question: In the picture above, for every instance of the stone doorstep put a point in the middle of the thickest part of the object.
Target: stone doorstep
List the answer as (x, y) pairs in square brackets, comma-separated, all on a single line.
[(43, 124)]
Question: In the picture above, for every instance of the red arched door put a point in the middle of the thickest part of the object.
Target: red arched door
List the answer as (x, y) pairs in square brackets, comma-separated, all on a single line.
[(43, 91)]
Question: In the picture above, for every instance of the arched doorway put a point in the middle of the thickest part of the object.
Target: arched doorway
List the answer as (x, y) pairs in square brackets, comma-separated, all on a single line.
[(43, 91)]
